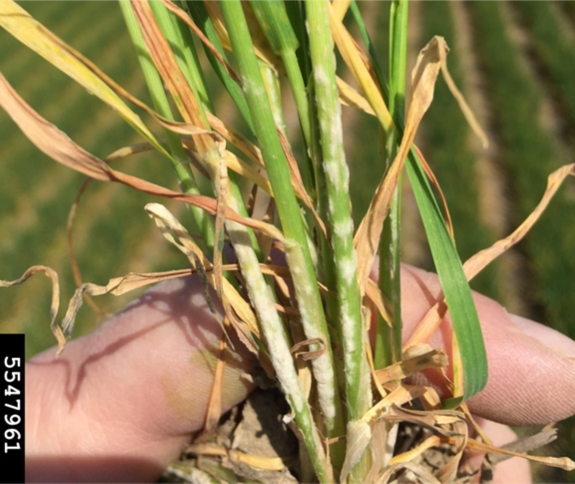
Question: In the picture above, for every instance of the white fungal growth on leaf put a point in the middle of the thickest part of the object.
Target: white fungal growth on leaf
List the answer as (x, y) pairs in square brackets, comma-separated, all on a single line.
[(343, 229), (348, 268)]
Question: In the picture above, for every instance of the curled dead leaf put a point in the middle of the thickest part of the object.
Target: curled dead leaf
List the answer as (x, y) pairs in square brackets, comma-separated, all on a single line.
[(55, 304)]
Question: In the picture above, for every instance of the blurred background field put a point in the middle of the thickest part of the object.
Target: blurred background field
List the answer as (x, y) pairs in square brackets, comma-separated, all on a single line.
[(514, 61)]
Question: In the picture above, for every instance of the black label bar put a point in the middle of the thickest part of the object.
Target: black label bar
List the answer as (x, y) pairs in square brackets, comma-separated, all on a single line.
[(11, 408)]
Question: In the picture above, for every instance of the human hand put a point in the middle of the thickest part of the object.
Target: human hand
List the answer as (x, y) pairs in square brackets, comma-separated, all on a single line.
[(120, 403)]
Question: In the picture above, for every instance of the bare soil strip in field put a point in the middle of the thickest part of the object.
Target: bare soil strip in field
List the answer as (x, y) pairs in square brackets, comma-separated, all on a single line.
[(492, 180)]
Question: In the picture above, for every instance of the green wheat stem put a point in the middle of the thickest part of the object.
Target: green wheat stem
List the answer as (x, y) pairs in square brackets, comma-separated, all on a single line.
[(337, 182), (278, 29), (388, 339), (299, 258), (178, 158), (353, 337), (202, 19)]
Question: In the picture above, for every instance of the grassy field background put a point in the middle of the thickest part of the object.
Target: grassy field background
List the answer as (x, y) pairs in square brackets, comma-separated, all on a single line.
[(514, 61)]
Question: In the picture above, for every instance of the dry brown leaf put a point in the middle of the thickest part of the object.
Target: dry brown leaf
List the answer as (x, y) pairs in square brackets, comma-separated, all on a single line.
[(373, 293), (421, 472), (34, 35), (465, 109), (238, 140), (350, 97), (448, 472), (523, 444), (407, 367), (116, 286), (26, 29), (436, 420), (399, 396), (561, 462), (368, 234), (257, 461), (358, 435), (340, 8), (172, 230), (61, 148), (168, 68), (262, 49), (70, 243), (55, 304), (411, 454), (479, 261), (116, 155), (378, 385), (214, 410), (359, 65), (433, 179)]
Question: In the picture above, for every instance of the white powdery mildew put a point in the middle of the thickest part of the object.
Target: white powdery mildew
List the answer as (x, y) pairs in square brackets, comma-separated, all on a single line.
[(345, 177), (348, 268), (332, 171), (337, 174), (330, 207), (320, 77), (335, 127), (323, 373), (253, 88), (264, 304), (322, 370), (322, 367), (343, 229), (348, 332)]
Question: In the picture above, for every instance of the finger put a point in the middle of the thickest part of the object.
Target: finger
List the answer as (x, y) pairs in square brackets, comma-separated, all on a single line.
[(119, 404), (514, 469), (531, 367)]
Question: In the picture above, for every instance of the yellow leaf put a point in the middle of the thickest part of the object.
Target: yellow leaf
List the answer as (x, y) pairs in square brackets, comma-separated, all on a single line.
[(34, 35), (357, 63), (340, 8)]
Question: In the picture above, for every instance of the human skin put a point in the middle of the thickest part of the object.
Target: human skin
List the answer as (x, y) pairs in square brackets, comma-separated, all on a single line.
[(120, 403)]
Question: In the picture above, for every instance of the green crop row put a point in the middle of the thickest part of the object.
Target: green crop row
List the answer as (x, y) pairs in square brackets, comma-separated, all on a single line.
[(447, 149), (529, 156), (553, 46), (34, 204)]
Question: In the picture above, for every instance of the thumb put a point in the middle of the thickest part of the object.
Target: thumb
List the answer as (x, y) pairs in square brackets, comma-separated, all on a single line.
[(531, 367), (120, 403)]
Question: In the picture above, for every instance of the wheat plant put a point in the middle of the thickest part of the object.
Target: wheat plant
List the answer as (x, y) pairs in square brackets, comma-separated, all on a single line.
[(256, 201)]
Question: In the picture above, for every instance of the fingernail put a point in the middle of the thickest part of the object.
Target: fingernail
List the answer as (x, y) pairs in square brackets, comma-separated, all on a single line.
[(558, 342)]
